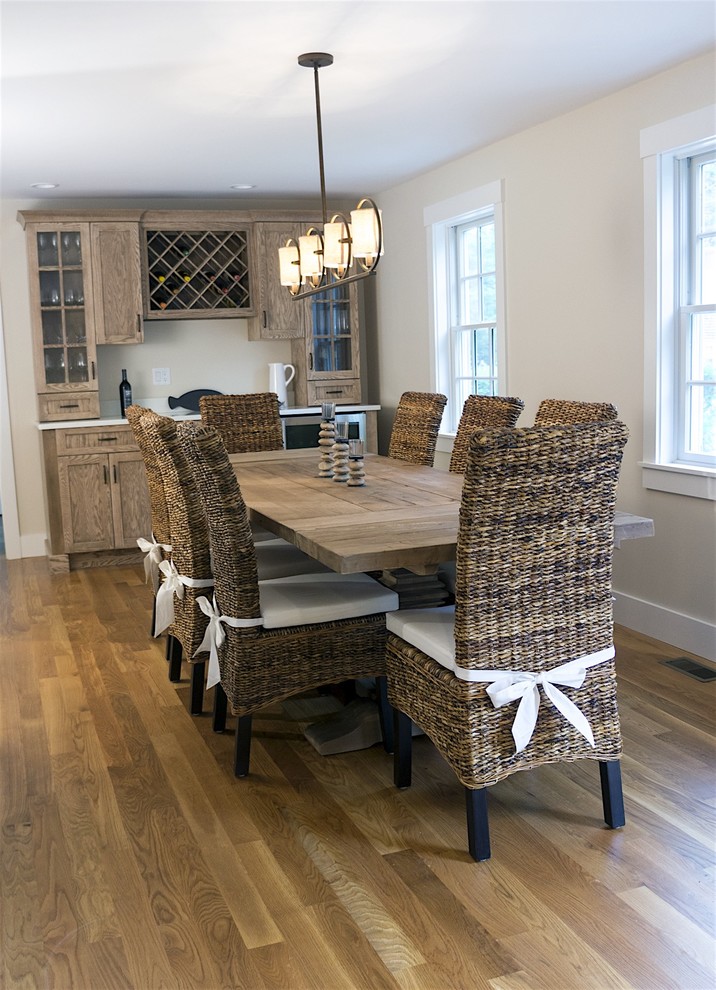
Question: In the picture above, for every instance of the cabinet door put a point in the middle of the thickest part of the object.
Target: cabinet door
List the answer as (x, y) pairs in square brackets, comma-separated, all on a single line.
[(62, 307), (279, 316), (117, 283), (332, 346), (130, 499), (86, 502)]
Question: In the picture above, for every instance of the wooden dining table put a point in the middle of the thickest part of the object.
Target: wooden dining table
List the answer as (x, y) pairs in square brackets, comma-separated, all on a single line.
[(405, 517)]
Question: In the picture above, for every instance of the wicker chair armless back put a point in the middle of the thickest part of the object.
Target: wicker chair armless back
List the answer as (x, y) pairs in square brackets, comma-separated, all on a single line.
[(563, 412), (534, 552), (485, 411), (188, 528), (157, 499), (232, 547), (246, 422), (415, 427)]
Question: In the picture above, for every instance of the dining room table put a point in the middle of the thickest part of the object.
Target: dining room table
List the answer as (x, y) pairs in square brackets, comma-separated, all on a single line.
[(401, 526), (405, 517)]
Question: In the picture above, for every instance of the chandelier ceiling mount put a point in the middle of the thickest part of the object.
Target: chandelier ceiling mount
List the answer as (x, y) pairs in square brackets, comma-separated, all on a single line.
[(322, 259)]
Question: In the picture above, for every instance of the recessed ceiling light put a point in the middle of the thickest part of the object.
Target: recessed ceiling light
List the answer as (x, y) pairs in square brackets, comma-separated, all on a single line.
[(45, 185), (242, 185)]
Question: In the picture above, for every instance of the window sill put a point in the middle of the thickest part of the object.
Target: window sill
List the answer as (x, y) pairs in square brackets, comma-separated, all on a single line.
[(445, 442), (680, 479)]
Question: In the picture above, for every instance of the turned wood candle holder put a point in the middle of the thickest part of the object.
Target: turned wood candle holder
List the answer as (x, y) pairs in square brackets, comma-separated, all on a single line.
[(326, 440), (356, 464), (340, 453)]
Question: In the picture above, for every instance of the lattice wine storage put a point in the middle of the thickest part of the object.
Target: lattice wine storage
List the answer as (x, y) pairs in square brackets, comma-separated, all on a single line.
[(197, 271)]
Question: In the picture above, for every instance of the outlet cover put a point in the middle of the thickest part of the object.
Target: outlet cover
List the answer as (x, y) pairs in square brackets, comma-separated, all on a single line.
[(161, 376)]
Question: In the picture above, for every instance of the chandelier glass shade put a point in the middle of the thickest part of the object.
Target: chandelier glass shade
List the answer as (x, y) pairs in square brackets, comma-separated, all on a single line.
[(344, 250)]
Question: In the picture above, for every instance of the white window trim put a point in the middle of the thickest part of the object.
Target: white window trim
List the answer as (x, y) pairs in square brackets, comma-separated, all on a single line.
[(660, 471), (437, 219)]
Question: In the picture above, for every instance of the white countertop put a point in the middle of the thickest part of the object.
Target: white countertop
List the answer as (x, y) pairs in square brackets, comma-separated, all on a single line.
[(109, 422)]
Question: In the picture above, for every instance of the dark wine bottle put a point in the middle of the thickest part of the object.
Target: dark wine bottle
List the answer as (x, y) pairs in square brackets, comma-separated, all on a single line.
[(125, 393)]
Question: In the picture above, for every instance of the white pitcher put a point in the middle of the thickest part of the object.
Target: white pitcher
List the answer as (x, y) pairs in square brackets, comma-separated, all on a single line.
[(280, 375)]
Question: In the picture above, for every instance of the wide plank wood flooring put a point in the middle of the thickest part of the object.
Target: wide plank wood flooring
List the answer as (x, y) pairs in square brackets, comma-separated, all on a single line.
[(132, 858)]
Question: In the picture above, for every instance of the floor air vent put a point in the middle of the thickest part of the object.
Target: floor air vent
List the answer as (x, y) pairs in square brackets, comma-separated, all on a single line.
[(692, 667)]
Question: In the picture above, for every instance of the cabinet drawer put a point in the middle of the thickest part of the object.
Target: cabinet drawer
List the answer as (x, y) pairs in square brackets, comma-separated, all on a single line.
[(341, 390), (68, 405), (90, 441)]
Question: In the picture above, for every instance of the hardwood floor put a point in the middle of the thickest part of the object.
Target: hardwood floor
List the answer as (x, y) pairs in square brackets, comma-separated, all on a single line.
[(132, 858)]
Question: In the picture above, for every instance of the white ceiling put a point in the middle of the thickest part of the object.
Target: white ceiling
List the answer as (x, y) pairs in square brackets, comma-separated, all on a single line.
[(155, 98)]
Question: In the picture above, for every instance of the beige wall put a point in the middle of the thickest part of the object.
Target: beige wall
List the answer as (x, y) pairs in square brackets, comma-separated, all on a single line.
[(573, 206)]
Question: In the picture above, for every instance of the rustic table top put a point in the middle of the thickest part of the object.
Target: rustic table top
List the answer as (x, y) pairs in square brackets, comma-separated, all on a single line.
[(406, 516)]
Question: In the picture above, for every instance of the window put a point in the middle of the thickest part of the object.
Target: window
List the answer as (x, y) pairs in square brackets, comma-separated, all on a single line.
[(465, 244), (473, 315), (696, 406), (680, 305)]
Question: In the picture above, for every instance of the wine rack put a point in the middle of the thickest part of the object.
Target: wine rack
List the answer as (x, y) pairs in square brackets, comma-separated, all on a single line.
[(192, 272)]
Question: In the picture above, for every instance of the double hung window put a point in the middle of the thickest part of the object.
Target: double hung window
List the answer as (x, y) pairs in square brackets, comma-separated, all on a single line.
[(465, 242), (680, 305)]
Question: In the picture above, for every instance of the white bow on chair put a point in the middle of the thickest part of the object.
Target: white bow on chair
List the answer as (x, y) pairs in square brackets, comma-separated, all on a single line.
[(509, 685), (152, 559), (173, 584), (214, 635)]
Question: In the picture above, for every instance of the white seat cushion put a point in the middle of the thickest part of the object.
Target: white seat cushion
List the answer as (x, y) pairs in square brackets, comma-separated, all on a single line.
[(431, 630), (278, 558), (305, 599)]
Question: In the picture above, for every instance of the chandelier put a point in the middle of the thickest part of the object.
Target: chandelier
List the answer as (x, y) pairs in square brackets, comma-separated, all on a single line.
[(322, 259)]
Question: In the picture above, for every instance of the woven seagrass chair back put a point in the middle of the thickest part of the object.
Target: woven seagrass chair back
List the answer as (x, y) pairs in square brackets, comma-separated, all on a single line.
[(415, 427), (232, 546), (485, 411), (563, 412), (157, 500), (187, 526), (534, 551), (246, 422)]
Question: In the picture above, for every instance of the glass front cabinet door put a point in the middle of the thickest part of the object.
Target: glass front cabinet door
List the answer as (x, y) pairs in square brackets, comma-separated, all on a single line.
[(332, 347), (63, 321)]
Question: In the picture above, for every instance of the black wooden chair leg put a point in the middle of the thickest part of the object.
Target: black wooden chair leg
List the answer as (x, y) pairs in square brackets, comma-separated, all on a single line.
[(242, 747), (478, 829), (218, 723), (198, 671), (154, 616), (403, 754), (610, 775), (385, 712), (174, 655)]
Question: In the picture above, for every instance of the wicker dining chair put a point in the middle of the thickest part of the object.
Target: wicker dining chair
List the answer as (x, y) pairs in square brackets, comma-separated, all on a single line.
[(485, 411), (190, 558), (188, 573), (533, 610), (563, 412), (246, 422), (280, 637), (155, 548), (415, 427)]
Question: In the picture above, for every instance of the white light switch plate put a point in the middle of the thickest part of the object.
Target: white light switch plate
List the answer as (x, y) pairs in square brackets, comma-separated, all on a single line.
[(161, 376)]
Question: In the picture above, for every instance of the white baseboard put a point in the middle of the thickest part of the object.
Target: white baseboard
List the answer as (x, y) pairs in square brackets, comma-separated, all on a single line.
[(34, 545), (682, 631)]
